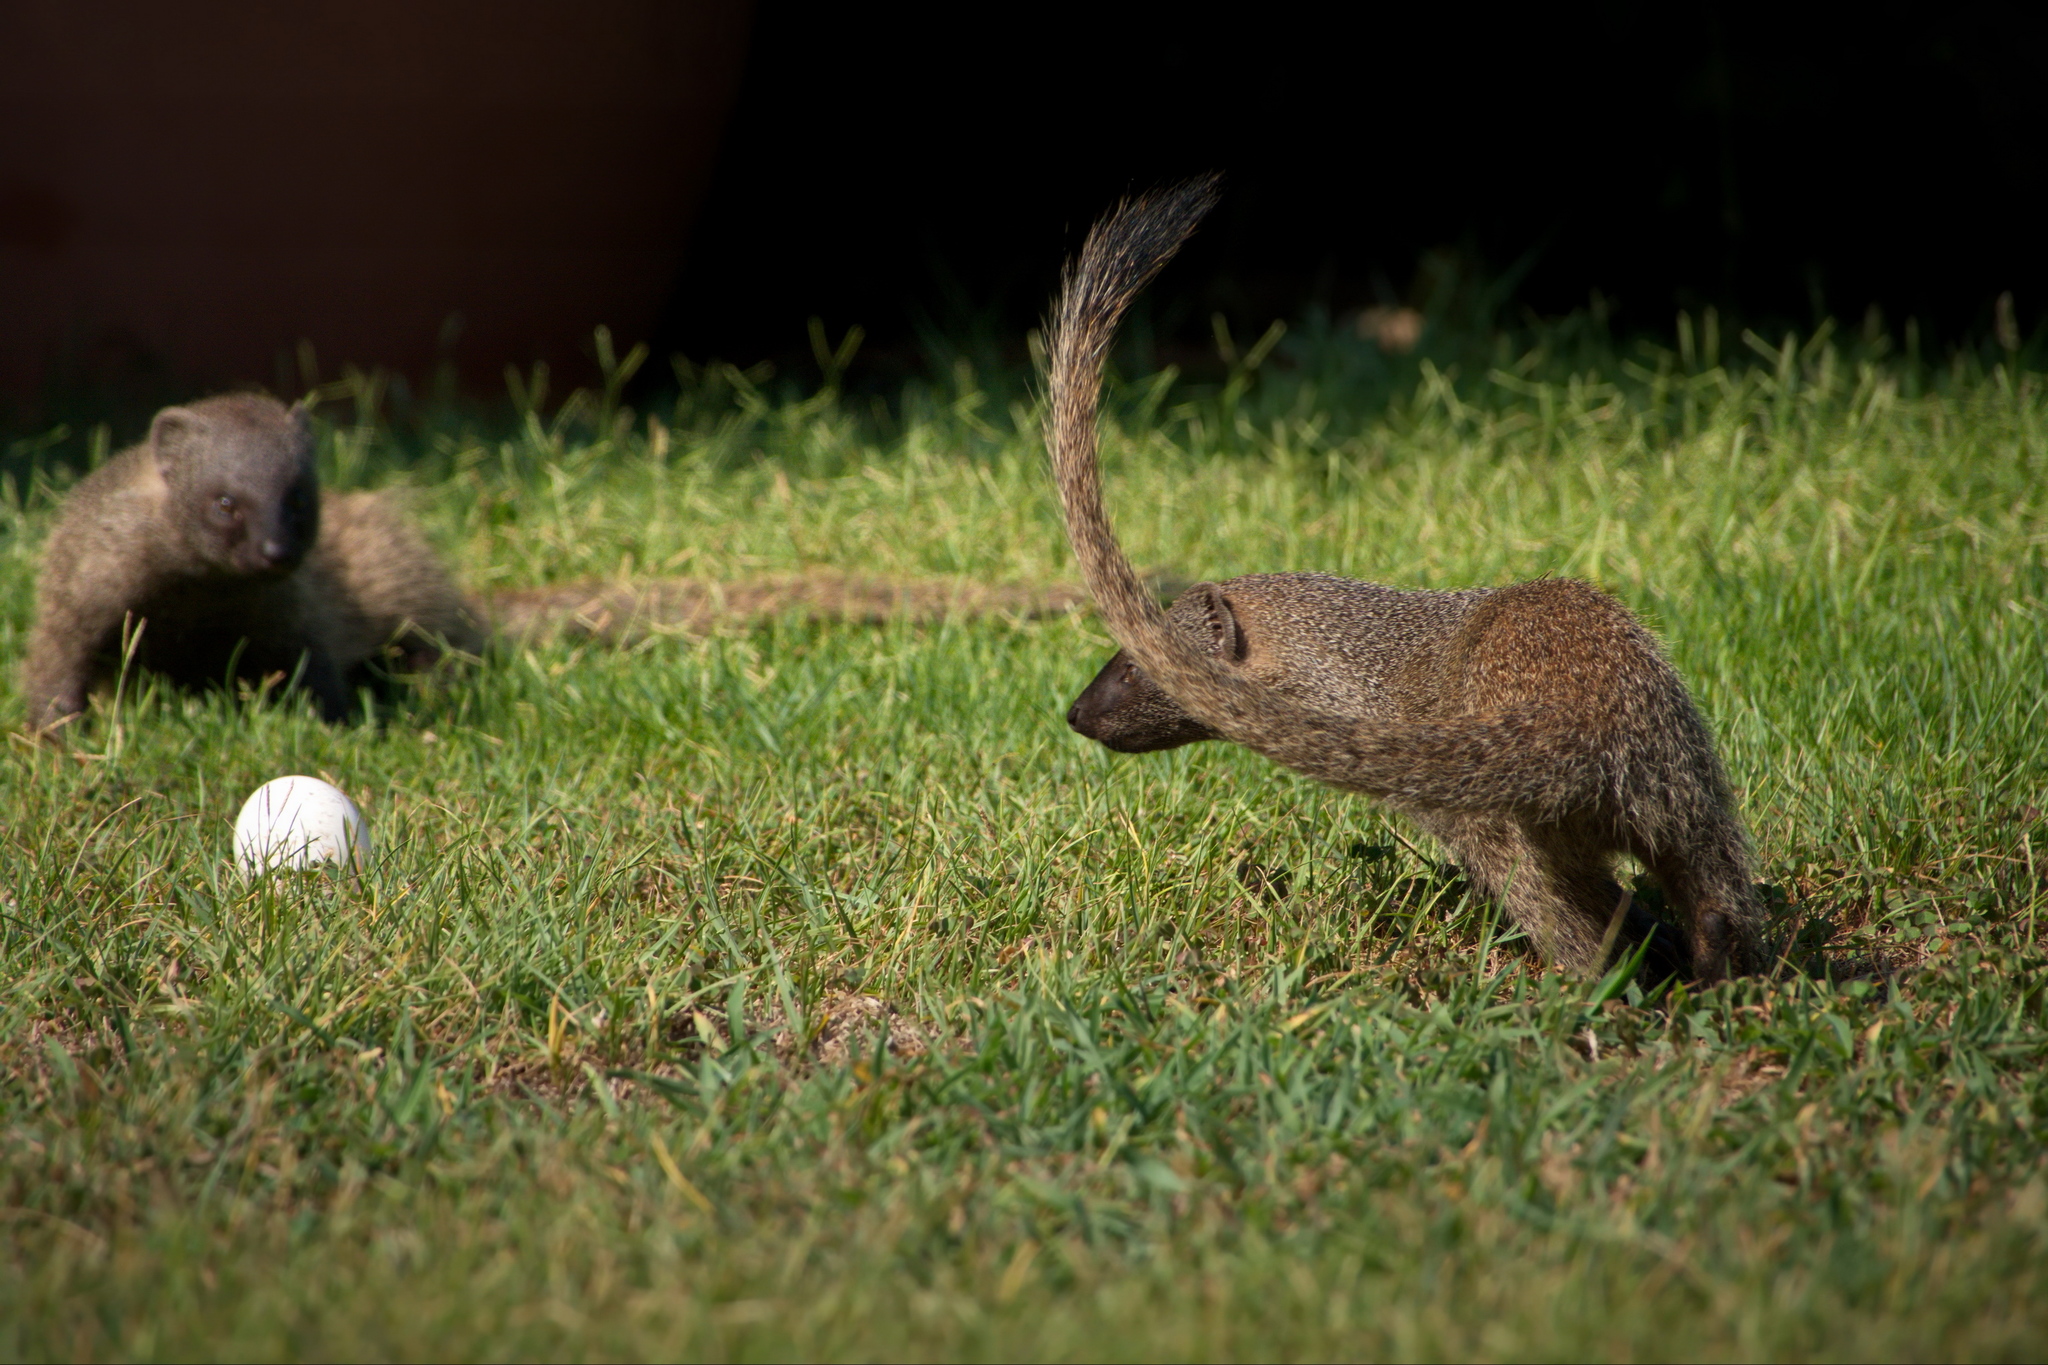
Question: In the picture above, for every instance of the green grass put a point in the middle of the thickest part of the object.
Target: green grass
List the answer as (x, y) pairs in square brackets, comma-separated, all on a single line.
[(526, 1090)]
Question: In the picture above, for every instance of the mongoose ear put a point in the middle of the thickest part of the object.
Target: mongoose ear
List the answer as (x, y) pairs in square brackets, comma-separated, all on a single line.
[(1226, 637), (173, 430)]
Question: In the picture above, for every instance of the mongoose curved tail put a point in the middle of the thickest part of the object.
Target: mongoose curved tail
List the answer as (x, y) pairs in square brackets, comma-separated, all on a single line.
[(1122, 254)]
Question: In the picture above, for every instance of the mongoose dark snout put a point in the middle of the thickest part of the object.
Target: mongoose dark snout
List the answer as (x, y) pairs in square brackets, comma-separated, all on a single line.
[(283, 537), (273, 551), (1125, 711)]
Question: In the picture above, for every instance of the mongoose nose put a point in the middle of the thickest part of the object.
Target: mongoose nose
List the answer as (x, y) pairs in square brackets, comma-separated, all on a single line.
[(1074, 716)]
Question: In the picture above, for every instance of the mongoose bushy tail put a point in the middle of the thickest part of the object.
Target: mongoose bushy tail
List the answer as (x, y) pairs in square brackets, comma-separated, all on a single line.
[(1537, 729), (209, 549)]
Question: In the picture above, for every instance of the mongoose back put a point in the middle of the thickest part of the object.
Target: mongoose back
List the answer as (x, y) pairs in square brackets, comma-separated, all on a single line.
[(1536, 730), (211, 538)]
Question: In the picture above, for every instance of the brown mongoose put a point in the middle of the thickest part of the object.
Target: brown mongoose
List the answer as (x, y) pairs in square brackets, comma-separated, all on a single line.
[(1537, 730), (211, 538)]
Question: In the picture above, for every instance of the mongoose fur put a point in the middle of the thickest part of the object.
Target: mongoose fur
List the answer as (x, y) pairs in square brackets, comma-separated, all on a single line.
[(212, 539), (1536, 730)]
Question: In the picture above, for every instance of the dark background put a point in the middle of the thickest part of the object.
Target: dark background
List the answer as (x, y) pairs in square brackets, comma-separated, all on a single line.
[(227, 192), (924, 175)]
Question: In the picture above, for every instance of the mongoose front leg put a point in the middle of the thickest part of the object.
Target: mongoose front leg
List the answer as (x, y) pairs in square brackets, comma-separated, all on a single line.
[(62, 659), (320, 675), (1556, 886)]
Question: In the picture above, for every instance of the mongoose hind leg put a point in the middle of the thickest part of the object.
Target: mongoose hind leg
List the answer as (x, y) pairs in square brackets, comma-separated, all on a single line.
[(399, 611), (1706, 881), (1558, 885)]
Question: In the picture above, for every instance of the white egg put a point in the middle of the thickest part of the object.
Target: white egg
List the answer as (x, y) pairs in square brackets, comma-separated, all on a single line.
[(298, 822)]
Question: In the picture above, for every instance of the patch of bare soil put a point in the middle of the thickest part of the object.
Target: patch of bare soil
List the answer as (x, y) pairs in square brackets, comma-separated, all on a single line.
[(32, 1057), (1751, 1072), (849, 1027), (622, 613), (842, 1030)]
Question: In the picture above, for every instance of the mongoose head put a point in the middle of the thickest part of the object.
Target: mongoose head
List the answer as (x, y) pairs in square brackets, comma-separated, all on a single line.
[(243, 492), (1124, 710)]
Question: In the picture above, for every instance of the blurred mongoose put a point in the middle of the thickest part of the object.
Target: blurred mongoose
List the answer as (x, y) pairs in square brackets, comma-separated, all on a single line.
[(208, 547), (1536, 730)]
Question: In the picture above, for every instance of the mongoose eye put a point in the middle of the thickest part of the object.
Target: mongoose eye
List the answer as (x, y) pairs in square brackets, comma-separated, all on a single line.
[(224, 508)]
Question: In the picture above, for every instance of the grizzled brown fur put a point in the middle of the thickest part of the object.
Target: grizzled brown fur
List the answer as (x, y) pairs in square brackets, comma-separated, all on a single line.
[(1536, 730), (212, 537)]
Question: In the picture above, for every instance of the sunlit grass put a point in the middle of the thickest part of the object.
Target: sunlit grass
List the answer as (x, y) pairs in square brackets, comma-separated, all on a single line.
[(1209, 1062)]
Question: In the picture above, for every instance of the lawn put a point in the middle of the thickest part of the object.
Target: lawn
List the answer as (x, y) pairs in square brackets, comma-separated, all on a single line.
[(801, 987)]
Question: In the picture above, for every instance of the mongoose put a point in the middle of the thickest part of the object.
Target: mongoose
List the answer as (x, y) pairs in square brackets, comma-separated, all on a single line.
[(1537, 730), (211, 539)]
